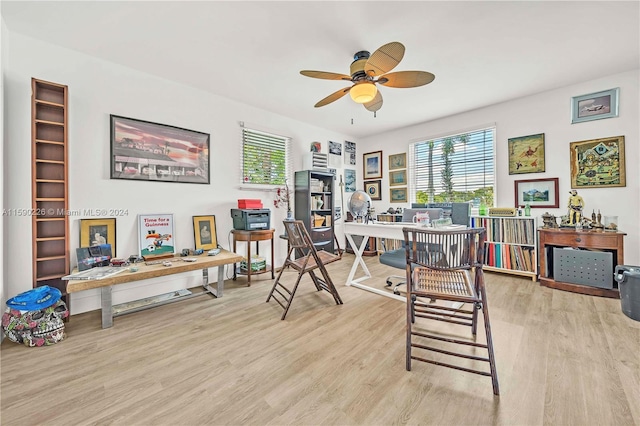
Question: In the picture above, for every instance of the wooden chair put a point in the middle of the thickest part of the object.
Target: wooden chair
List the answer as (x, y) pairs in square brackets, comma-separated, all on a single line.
[(308, 261), (446, 266)]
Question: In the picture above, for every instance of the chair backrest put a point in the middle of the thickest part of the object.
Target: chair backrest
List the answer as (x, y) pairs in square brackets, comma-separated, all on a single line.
[(445, 249), (297, 234), (434, 213)]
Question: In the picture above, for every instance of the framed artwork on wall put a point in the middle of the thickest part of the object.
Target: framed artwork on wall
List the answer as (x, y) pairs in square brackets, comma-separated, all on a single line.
[(526, 154), (349, 180), (540, 193), (595, 106), (94, 232), (372, 165), (204, 232), (398, 161), (142, 150), (372, 188), (398, 195), (350, 153), (155, 235), (398, 178), (598, 163)]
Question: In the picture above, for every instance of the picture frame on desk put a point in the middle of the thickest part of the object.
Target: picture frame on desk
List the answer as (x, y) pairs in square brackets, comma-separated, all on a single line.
[(538, 193), (155, 235), (204, 232), (98, 231), (147, 151)]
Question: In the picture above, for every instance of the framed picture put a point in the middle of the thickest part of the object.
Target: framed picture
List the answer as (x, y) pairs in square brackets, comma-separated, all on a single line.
[(595, 106), (398, 161), (155, 235), (373, 189), (598, 163), (349, 180), (541, 193), (372, 165), (398, 195), (526, 154), (398, 178), (350, 153), (141, 150), (335, 148), (94, 232), (204, 232)]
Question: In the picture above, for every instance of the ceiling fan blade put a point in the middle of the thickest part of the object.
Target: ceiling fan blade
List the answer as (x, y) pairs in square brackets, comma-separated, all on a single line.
[(325, 75), (374, 104), (406, 79), (333, 97), (384, 59)]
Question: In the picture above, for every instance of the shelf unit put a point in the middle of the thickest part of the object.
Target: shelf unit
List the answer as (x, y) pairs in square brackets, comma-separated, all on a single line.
[(389, 244), (310, 186), (49, 184), (511, 244)]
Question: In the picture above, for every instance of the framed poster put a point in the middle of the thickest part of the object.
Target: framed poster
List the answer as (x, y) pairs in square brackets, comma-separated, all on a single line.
[(398, 195), (398, 178), (204, 232), (526, 154), (155, 235), (372, 165), (373, 189), (595, 106), (94, 232), (541, 193), (350, 153), (349, 180), (141, 150), (398, 161), (598, 163)]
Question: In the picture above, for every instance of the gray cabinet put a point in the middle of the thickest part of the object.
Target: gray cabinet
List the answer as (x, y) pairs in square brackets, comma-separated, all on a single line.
[(314, 205)]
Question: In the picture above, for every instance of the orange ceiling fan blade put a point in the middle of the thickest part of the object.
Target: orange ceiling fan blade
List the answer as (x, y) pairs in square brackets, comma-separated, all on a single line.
[(406, 79), (384, 59), (333, 97), (375, 104), (325, 75)]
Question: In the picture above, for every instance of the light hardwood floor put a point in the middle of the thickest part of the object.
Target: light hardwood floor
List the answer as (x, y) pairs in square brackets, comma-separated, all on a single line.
[(562, 358)]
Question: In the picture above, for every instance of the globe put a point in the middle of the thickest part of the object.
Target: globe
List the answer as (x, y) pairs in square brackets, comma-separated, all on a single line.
[(359, 203)]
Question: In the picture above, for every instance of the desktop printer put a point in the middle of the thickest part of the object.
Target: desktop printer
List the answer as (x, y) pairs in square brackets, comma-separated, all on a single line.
[(250, 219)]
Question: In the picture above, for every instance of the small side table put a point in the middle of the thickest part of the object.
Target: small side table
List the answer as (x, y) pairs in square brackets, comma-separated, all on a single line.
[(249, 236)]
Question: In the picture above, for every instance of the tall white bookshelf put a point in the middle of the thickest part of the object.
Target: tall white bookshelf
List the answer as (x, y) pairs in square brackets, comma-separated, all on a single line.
[(511, 245)]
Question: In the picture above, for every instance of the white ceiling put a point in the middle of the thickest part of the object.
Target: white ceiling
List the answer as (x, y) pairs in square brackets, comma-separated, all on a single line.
[(481, 52)]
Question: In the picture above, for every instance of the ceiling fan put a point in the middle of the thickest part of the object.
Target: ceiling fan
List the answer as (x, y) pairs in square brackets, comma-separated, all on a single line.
[(367, 71)]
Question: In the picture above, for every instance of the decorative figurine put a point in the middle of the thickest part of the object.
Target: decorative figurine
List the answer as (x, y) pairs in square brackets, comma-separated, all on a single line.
[(576, 204)]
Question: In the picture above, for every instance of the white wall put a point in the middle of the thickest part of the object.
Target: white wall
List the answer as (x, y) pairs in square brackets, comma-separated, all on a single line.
[(97, 89), (548, 113)]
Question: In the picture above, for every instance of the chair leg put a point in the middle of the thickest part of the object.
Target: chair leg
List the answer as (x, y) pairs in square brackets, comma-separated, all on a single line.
[(277, 281), (293, 293), (410, 320), (487, 330)]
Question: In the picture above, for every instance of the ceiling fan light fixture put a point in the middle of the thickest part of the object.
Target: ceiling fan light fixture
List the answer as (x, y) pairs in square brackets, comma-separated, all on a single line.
[(363, 92)]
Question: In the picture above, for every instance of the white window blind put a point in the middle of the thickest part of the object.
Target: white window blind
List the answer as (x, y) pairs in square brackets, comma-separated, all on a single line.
[(454, 168), (265, 158)]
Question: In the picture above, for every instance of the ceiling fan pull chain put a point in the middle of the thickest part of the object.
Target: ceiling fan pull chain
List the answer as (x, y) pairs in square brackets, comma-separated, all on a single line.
[(374, 114)]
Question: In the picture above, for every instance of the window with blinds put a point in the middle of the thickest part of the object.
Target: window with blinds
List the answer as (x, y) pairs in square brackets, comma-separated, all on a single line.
[(455, 168), (265, 158)]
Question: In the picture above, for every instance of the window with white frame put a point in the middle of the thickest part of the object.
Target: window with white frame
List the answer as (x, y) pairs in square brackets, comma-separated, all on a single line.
[(265, 158), (453, 168)]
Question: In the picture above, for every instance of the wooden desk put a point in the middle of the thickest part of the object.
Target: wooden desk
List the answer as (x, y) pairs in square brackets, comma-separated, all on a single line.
[(153, 271), (249, 236), (589, 239)]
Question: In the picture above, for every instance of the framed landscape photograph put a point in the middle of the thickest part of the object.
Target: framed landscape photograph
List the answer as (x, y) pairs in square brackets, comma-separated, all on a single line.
[(155, 235), (540, 193), (398, 178), (598, 163), (595, 106), (372, 165), (349, 180), (398, 161), (94, 232), (398, 195), (141, 150), (204, 232), (526, 154), (373, 189)]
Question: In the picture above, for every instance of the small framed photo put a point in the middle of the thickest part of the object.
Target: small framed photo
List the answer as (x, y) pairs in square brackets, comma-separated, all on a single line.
[(155, 235), (398, 161), (398, 195), (398, 178), (373, 189), (204, 232), (526, 154), (372, 165), (540, 193), (598, 163), (595, 106), (94, 232)]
